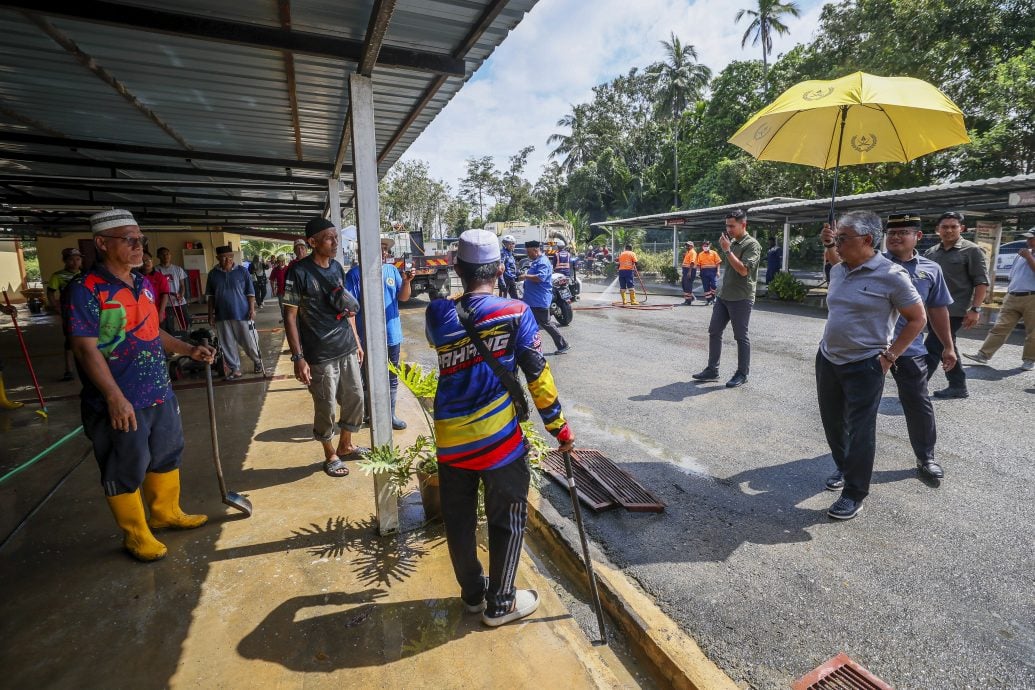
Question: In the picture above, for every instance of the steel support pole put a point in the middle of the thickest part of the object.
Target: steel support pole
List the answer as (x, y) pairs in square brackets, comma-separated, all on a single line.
[(785, 265), (334, 213), (675, 247), (364, 158)]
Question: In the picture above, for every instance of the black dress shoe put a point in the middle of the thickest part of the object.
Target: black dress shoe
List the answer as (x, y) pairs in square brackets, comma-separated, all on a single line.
[(835, 482), (931, 469), (845, 508), (951, 392), (708, 374), (738, 379)]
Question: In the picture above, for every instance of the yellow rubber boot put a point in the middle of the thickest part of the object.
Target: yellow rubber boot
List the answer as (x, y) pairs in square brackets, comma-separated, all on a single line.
[(162, 493), (6, 404), (623, 297), (632, 297), (128, 510)]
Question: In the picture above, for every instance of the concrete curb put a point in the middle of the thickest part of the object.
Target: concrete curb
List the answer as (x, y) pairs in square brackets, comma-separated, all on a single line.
[(673, 656)]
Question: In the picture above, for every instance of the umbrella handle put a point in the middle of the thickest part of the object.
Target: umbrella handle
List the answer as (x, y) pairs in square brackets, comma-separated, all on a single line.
[(837, 164)]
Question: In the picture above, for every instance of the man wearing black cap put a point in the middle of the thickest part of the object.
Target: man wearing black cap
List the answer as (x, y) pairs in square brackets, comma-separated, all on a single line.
[(965, 268), (231, 309), (55, 288), (320, 324), (538, 294), (910, 369)]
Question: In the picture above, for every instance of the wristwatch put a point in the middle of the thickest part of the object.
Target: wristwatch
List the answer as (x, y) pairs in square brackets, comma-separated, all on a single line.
[(976, 310), (297, 358)]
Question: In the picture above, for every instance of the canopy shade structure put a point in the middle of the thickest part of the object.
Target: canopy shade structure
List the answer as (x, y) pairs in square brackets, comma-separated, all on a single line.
[(233, 114)]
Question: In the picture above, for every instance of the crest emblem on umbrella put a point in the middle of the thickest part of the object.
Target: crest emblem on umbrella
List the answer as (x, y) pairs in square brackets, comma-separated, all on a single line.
[(762, 131), (864, 142), (817, 94)]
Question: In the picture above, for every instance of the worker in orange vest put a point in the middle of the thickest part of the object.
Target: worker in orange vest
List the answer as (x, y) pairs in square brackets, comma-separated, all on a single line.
[(708, 261), (689, 273), (628, 265)]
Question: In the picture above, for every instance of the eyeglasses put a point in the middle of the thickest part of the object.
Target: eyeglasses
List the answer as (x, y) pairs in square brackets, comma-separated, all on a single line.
[(133, 242), (841, 239), (902, 232)]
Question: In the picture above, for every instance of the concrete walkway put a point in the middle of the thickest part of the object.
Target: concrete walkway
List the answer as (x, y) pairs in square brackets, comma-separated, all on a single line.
[(303, 593)]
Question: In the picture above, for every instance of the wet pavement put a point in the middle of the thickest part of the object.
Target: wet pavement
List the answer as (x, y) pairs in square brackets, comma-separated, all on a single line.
[(303, 593)]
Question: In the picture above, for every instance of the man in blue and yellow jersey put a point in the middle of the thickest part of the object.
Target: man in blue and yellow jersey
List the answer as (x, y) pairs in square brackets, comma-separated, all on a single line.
[(478, 431)]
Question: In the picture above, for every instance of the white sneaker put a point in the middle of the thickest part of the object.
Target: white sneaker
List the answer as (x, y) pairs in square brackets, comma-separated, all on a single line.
[(1028, 365), (977, 358), (526, 601)]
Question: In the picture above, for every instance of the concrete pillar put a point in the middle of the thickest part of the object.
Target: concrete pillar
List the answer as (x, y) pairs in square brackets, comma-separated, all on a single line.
[(364, 160), (334, 208), (786, 265)]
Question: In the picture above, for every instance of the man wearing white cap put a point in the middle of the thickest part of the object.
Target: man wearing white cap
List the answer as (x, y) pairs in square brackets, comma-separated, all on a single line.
[(481, 340), (130, 413)]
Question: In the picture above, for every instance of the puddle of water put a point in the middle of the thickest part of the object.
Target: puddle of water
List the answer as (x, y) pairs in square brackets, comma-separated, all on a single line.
[(583, 417)]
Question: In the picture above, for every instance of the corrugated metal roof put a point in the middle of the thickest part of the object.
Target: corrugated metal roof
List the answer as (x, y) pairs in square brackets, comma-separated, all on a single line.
[(218, 97)]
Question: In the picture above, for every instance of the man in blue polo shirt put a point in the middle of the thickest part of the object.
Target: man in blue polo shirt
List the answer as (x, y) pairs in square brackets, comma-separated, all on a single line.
[(129, 411), (910, 370), (397, 287), (538, 293), (231, 309)]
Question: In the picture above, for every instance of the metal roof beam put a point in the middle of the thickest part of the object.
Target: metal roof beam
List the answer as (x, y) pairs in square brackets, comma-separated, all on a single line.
[(225, 31), (84, 182), (57, 183), (251, 206), (67, 142), (484, 22), (284, 10), (7, 154)]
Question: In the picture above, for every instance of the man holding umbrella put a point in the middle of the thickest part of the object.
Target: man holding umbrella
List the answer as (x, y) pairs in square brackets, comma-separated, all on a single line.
[(130, 413)]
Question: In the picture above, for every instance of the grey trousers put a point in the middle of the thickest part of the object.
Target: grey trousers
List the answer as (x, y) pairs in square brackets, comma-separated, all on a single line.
[(234, 334), (739, 313), (336, 383)]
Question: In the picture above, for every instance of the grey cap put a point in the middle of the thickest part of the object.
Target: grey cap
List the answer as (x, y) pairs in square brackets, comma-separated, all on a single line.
[(478, 247)]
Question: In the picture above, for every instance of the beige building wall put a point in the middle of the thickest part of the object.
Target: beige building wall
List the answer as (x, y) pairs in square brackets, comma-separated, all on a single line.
[(11, 278)]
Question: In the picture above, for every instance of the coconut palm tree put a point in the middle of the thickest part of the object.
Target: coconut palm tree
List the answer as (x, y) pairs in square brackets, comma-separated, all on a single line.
[(574, 149), (678, 81), (764, 21)]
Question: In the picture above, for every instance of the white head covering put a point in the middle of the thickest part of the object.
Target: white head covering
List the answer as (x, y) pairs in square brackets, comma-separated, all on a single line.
[(478, 247), (107, 220)]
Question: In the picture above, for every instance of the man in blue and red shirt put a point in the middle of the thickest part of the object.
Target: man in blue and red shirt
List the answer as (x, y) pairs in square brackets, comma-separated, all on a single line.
[(130, 413), (477, 429)]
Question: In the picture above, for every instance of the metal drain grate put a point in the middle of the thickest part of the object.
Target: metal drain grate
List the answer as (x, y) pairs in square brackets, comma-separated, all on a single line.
[(840, 673), (601, 484)]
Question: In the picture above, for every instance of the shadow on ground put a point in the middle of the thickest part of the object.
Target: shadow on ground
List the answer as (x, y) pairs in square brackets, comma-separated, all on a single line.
[(678, 391)]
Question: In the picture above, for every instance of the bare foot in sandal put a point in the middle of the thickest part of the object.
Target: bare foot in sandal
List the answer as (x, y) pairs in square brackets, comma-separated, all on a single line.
[(335, 467)]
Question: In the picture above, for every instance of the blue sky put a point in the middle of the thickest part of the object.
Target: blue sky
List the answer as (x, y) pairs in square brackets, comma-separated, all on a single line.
[(561, 50)]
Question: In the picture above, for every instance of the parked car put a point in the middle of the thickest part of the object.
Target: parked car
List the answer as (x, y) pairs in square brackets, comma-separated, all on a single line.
[(1007, 255)]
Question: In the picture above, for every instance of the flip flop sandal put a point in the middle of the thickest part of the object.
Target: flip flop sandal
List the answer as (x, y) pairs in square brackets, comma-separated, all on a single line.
[(358, 454), (335, 467)]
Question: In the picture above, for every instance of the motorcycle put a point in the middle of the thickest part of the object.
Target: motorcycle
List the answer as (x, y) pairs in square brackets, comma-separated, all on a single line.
[(563, 296)]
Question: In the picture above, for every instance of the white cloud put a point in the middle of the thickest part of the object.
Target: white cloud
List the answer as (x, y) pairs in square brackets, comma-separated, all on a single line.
[(561, 50)]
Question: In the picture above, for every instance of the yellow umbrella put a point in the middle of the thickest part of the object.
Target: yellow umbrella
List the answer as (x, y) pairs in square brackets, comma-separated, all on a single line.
[(860, 118)]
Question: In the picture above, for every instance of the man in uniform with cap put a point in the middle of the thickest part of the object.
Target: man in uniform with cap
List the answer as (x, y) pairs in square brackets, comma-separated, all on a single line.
[(59, 280), (477, 426), (538, 294), (130, 413), (508, 281), (910, 369), (965, 268), (231, 309), (1019, 304), (708, 261), (689, 273), (320, 324)]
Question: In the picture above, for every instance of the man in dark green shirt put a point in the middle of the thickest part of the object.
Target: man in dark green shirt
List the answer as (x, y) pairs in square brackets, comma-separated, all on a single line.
[(965, 268), (735, 298)]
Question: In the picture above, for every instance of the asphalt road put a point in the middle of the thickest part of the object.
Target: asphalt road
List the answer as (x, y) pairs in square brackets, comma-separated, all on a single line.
[(929, 587)]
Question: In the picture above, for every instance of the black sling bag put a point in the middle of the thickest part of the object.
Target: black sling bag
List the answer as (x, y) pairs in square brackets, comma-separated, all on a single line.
[(509, 379)]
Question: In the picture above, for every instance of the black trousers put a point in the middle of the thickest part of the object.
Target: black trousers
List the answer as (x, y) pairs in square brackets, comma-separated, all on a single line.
[(956, 376), (508, 287), (689, 276), (849, 396), (506, 509), (542, 317), (911, 376), (739, 313)]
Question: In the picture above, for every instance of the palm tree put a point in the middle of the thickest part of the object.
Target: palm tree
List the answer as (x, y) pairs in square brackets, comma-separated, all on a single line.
[(678, 81), (764, 21), (575, 148)]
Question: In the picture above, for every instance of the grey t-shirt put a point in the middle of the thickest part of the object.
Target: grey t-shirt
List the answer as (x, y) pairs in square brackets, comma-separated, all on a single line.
[(862, 307), (324, 335)]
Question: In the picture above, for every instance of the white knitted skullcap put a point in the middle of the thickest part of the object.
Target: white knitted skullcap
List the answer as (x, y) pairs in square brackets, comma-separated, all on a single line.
[(114, 218)]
